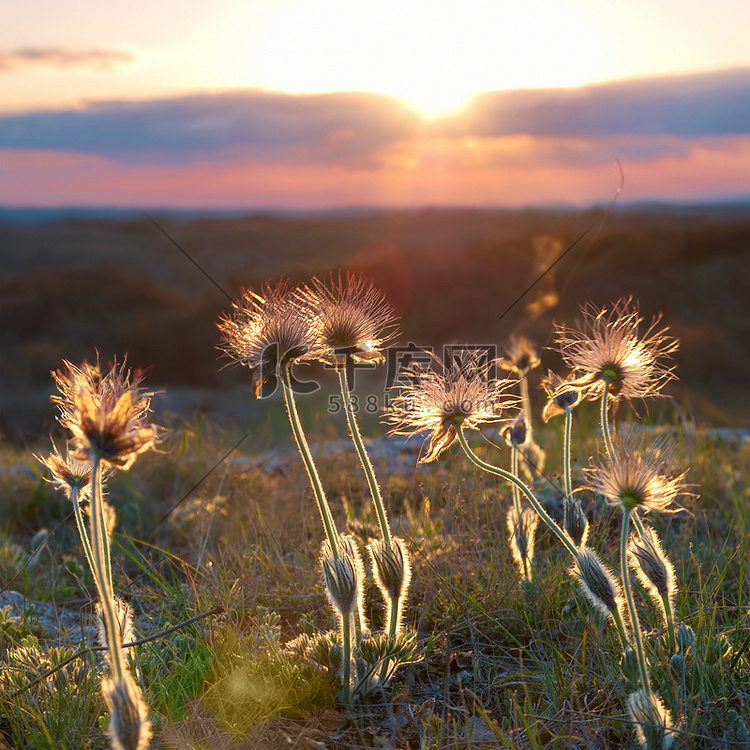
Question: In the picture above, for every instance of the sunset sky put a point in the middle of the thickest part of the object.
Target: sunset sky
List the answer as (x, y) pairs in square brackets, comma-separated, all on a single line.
[(293, 104)]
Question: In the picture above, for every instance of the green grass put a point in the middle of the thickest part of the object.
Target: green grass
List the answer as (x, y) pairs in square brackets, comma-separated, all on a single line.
[(502, 665)]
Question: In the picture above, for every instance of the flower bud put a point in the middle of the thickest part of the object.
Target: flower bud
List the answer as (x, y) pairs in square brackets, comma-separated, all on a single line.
[(651, 564), (653, 724), (391, 567), (522, 534), (597, 581), (129, 726)]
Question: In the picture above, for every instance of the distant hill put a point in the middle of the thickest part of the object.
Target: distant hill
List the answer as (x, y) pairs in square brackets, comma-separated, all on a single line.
[(116, 284)]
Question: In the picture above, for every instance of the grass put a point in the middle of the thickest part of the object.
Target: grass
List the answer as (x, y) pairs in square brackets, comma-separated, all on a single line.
[(502, 665)]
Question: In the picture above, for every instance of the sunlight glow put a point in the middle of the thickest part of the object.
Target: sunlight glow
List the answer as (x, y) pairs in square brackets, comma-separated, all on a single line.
[(435, 56)]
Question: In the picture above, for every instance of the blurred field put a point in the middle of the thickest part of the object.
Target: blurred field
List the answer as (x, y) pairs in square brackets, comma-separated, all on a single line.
[(72, 287)]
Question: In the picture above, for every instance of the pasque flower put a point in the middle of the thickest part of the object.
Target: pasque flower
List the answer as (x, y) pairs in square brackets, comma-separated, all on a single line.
[(267, 331), (520, 355), (608, 350), (71, 476), (638, 475), (461, 395), (352, 317), (106, 414)]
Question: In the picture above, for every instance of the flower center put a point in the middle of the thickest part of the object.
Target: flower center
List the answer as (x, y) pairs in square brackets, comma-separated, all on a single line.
[(630, 499), (611, 373)]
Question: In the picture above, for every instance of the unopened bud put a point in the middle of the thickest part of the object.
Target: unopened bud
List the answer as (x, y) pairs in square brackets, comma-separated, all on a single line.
[(129, 726), (653, 724), (391, 567), (651, 564), (522, 534), (597, 581)]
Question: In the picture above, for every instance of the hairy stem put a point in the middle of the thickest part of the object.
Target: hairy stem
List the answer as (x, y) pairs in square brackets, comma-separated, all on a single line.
[(312, 472), (102, 572), (356, 436), (514, 487), (606, 433), (80, 523), (566, 456), (497, 471), (526, 401)]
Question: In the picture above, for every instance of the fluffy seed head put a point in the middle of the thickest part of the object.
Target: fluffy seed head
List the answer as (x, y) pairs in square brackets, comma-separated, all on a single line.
[(651, 564), (561, 395), (129, 726), (71, 476), (266, 332), (653, 724), (520, 355), (522, 535), (608, 347), (106, 414), (351, 317), (638, 476), (597, 581), (461, 395)]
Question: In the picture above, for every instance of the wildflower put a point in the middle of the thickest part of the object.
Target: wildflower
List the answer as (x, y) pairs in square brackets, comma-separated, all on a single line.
[(522, 532), (105, 413), (597, 582), (653, 567), (520, 356), (515, 431), (268, 332), (561, 395), (609, 350), (637, 476), (462, 395), (129, 726), (653, 724), (352, 317), (71, 476)]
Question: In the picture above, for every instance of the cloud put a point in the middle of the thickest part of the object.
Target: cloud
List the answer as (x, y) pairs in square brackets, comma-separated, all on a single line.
[(631, 120), (61, 58), (265, 126), (685, 106)]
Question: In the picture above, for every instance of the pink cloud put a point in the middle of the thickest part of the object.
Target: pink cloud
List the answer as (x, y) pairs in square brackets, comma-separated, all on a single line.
[(514, 173)]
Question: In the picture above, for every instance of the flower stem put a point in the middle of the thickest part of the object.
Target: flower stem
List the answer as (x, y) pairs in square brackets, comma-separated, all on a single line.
[(497, 471), (606, 433), (526, 402), (312, 472), (102, 571), (75, 497), (514, 487), (346, 643), (566, 457), (670, 623), (625, 573), (356, 436), (617, 617)]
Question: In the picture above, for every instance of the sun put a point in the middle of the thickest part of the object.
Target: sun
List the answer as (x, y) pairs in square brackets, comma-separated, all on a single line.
[(434, 56)]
